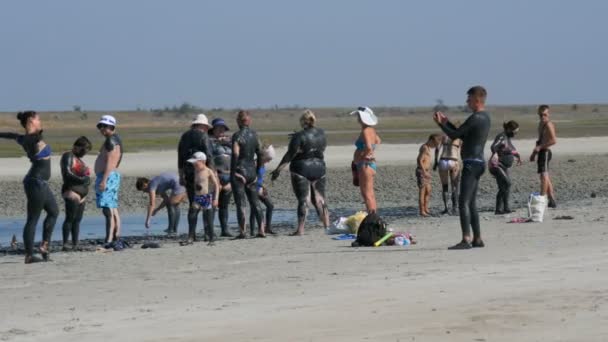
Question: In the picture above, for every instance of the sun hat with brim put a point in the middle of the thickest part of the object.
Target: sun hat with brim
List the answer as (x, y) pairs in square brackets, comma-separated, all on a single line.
[(196, 157), (201, 119), (108, 120), (366, 115), (219, 122)]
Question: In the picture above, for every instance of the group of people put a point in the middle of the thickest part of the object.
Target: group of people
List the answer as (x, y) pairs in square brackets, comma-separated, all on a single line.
[(459, 156), (76, 180), (213, 168)]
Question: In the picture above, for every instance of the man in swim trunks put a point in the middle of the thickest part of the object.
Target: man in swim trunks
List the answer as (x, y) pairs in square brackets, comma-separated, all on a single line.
[(107, 183), (192, 141), (449, 170), (206, 192), (474, 134), (542, 153), (167, 186), (423, 173)]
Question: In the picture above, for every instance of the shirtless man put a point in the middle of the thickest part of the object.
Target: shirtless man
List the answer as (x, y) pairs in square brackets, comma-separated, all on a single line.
[(449, 170), (107, 183), (206, 192), (423, 173), (542, 153)]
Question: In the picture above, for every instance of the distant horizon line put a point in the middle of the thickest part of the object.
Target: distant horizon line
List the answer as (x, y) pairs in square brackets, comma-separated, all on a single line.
[(289, 107)]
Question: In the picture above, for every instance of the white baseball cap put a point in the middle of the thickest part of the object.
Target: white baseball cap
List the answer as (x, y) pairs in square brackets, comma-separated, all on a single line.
[(201, 119), (366, 115), (107, 120), (196, 157)]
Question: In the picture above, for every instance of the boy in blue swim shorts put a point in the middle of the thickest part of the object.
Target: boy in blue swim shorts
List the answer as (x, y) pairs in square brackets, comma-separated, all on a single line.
[(107, 183), (206, 195)]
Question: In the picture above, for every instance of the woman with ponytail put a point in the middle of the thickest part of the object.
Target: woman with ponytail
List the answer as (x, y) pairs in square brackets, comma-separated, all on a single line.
[(35, 184)]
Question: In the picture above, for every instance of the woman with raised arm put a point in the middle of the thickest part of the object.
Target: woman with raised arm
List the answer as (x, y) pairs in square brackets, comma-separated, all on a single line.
[(35, 184)]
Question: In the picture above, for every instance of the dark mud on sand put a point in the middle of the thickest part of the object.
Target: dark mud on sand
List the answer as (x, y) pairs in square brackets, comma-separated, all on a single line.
[(574, 178)]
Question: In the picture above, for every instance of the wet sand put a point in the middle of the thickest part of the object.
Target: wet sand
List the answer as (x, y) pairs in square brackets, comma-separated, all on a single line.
[(533, 282)]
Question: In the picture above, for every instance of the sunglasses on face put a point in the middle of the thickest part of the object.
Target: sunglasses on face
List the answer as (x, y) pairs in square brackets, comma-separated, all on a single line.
[(102, 126)]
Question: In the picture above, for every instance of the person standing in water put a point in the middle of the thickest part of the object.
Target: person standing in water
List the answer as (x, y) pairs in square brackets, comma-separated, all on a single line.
[(76, 181), (194, 140), (167, 186), (206, 193), (505, 153), (107, 183), (268, 154), (474, 133), (542, 153), (222, 153), (243, 172), (364, 160), (305, 156), (35, 184), (449, 170), (424, 175)]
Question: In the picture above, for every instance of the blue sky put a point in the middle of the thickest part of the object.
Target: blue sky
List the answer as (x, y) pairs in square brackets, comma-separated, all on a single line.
[(123, 54)]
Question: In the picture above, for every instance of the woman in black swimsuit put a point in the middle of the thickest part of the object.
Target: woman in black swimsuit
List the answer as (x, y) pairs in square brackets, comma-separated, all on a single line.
[(76, 180), (35, 184)]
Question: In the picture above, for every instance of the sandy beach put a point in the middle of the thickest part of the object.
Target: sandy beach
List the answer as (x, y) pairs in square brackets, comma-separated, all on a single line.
[(533, 281)]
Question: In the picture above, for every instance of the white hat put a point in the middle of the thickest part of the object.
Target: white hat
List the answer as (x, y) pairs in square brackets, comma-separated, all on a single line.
[(367, 116), (201, 119), (196, 157), (107, 120)]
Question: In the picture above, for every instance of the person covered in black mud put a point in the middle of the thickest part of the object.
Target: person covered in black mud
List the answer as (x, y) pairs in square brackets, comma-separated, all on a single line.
[(194, 140), (503, 156), (243, 173), (221, 149), (305, 156), (35, 184), (473, 133), (76, 181)]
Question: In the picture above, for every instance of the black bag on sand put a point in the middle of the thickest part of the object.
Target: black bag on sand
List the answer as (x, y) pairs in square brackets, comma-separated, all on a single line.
[(371, 229)]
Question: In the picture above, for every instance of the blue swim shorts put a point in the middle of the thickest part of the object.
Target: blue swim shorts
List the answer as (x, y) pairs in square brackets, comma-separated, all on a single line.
[(205, 201), (109, 197)]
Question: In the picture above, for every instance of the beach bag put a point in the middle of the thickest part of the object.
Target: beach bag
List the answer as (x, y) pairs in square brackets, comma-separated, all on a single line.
[(536, 207), (372, 229), (354, 221)]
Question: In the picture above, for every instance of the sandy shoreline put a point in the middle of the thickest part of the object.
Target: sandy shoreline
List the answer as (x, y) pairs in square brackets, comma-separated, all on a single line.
[(155, 162), (533, 282)]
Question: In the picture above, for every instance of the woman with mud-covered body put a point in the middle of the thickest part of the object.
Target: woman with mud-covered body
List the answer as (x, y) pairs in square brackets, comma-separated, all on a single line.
[(35, 184), (501, 160), (222, 153), (245, 162), (305, 156), (364, 160), (76, 180)]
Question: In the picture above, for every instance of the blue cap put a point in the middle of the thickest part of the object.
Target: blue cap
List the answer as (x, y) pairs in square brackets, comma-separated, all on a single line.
[(219, 122)]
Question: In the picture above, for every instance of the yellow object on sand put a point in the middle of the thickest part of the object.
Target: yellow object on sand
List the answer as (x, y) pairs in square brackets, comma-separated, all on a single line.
[(354, 221), (384, 238)]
